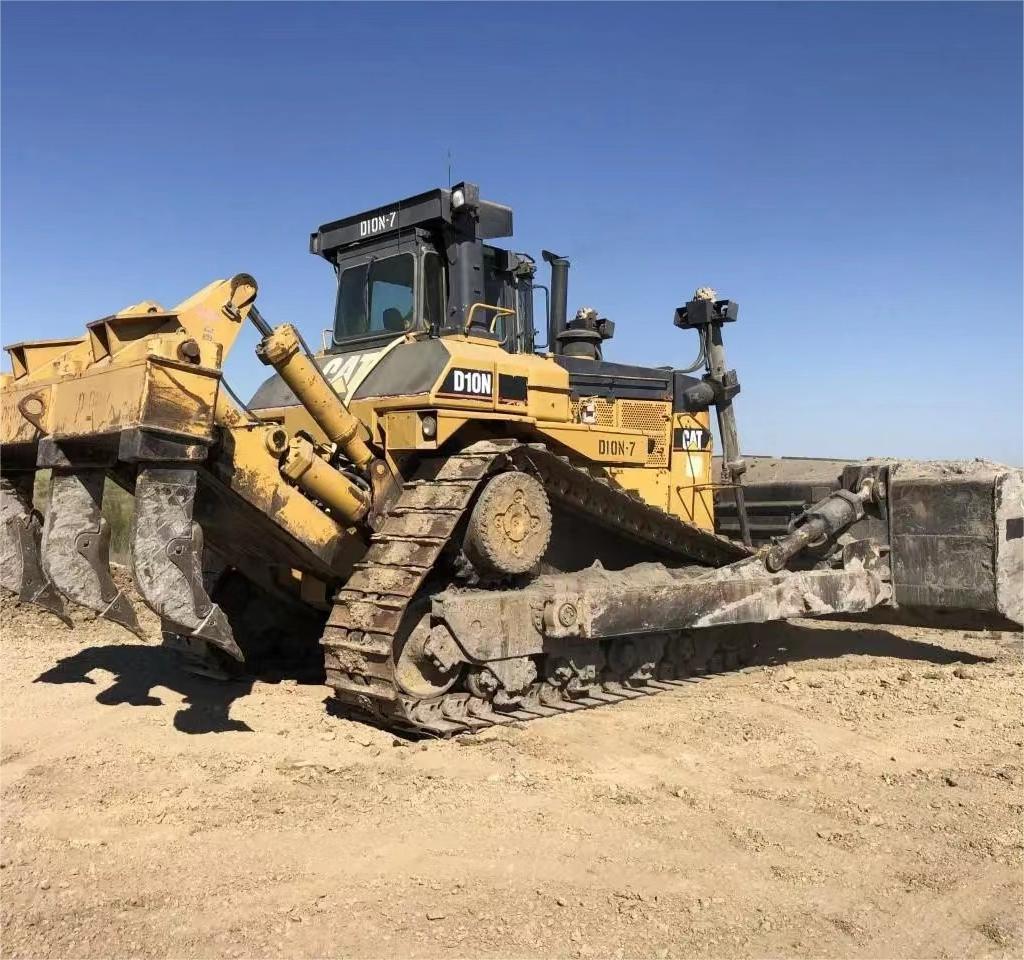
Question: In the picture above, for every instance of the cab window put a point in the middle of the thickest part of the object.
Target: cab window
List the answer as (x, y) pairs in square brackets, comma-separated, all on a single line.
[(376, 297), (494, 294), (433, 292)]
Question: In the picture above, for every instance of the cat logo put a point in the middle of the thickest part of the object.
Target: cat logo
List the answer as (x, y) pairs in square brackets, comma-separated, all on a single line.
[(691, 438), (347, 371)]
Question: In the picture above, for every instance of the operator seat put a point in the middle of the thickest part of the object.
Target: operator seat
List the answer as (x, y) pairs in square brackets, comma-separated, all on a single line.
[(393, 320)]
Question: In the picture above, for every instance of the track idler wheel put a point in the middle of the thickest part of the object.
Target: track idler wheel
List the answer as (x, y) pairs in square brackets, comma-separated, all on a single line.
[(76, 545), (167, 558), (429, 661), (510, 526), (21, 565)]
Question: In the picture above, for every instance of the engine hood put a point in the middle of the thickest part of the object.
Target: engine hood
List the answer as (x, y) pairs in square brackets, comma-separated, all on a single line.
[(399, 368)]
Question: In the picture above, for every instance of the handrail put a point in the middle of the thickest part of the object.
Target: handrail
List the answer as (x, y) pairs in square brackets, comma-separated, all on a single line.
[(498, 312)]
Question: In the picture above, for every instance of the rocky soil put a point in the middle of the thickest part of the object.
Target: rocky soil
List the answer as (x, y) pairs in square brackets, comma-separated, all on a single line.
[(858, 793)]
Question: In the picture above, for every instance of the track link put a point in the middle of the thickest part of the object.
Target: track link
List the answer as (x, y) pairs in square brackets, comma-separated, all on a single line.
[(360, 637)]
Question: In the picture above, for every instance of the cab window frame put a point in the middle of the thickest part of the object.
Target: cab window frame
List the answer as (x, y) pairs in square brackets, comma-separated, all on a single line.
[(429, 322), (371, 260)]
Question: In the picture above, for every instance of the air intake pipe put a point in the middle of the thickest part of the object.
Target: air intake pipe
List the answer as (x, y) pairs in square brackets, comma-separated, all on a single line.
[(559, 298)]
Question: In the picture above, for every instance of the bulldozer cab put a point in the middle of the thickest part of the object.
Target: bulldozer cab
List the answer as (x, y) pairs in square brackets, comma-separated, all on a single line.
[(421, 267)]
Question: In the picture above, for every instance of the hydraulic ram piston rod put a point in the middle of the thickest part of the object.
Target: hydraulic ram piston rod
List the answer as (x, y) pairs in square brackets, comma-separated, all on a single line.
[(283, 349)]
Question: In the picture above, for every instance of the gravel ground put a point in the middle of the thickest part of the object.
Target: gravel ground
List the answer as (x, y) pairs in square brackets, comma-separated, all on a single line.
[(858, 793)]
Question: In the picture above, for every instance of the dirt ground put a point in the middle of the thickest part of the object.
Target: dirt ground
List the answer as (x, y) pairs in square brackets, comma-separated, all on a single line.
[(856, 794)]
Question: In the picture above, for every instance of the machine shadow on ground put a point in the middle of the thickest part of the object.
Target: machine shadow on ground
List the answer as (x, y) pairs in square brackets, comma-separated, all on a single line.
[(782, 643), (138, 670)]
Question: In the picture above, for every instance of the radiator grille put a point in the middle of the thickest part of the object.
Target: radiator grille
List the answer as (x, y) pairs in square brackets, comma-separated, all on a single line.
[(642, 416), (658, 457)]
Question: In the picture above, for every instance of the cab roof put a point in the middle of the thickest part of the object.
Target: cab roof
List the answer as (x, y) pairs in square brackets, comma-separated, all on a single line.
[(426, 210)]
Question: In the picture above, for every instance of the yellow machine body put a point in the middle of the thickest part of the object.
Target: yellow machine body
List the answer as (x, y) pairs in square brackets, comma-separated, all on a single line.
[(661, 456), (357, 479), (463, 527)]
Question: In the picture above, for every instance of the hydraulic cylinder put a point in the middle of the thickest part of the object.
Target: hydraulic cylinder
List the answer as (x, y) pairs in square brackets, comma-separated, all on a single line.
[(316, 477), (283, 349)]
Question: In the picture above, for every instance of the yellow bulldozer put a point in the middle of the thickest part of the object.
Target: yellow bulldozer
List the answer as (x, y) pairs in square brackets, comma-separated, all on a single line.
[(470, 526)]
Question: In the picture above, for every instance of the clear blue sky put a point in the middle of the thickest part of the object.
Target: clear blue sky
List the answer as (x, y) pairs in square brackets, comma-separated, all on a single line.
[(850, 173)]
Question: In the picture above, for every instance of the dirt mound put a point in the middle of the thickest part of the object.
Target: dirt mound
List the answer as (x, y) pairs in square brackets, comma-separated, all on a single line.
[(857, 793)]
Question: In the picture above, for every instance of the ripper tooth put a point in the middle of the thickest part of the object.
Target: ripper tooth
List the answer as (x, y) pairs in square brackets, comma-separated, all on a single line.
[(76, 545), (167, 552), (21, 570)]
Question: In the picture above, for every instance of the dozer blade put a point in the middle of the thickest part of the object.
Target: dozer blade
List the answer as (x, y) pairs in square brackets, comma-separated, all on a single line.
[(76, 545), (21, 569), (167, 557)]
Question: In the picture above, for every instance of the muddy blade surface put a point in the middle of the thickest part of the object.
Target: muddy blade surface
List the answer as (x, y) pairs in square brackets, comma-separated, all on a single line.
[(76, 546), (21, 567), (167, 554)]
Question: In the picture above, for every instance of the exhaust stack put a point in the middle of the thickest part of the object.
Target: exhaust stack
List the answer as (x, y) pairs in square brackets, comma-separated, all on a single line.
[(559, 298)]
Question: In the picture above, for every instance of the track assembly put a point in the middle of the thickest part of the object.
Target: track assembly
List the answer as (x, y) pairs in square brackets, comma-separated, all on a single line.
[(388, 671)]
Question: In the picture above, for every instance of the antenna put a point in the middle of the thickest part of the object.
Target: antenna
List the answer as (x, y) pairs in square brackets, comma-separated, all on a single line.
[(449, 168)]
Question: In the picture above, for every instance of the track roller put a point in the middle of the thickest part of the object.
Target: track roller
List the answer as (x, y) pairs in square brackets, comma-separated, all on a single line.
[(167, 558), (76, 545)]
